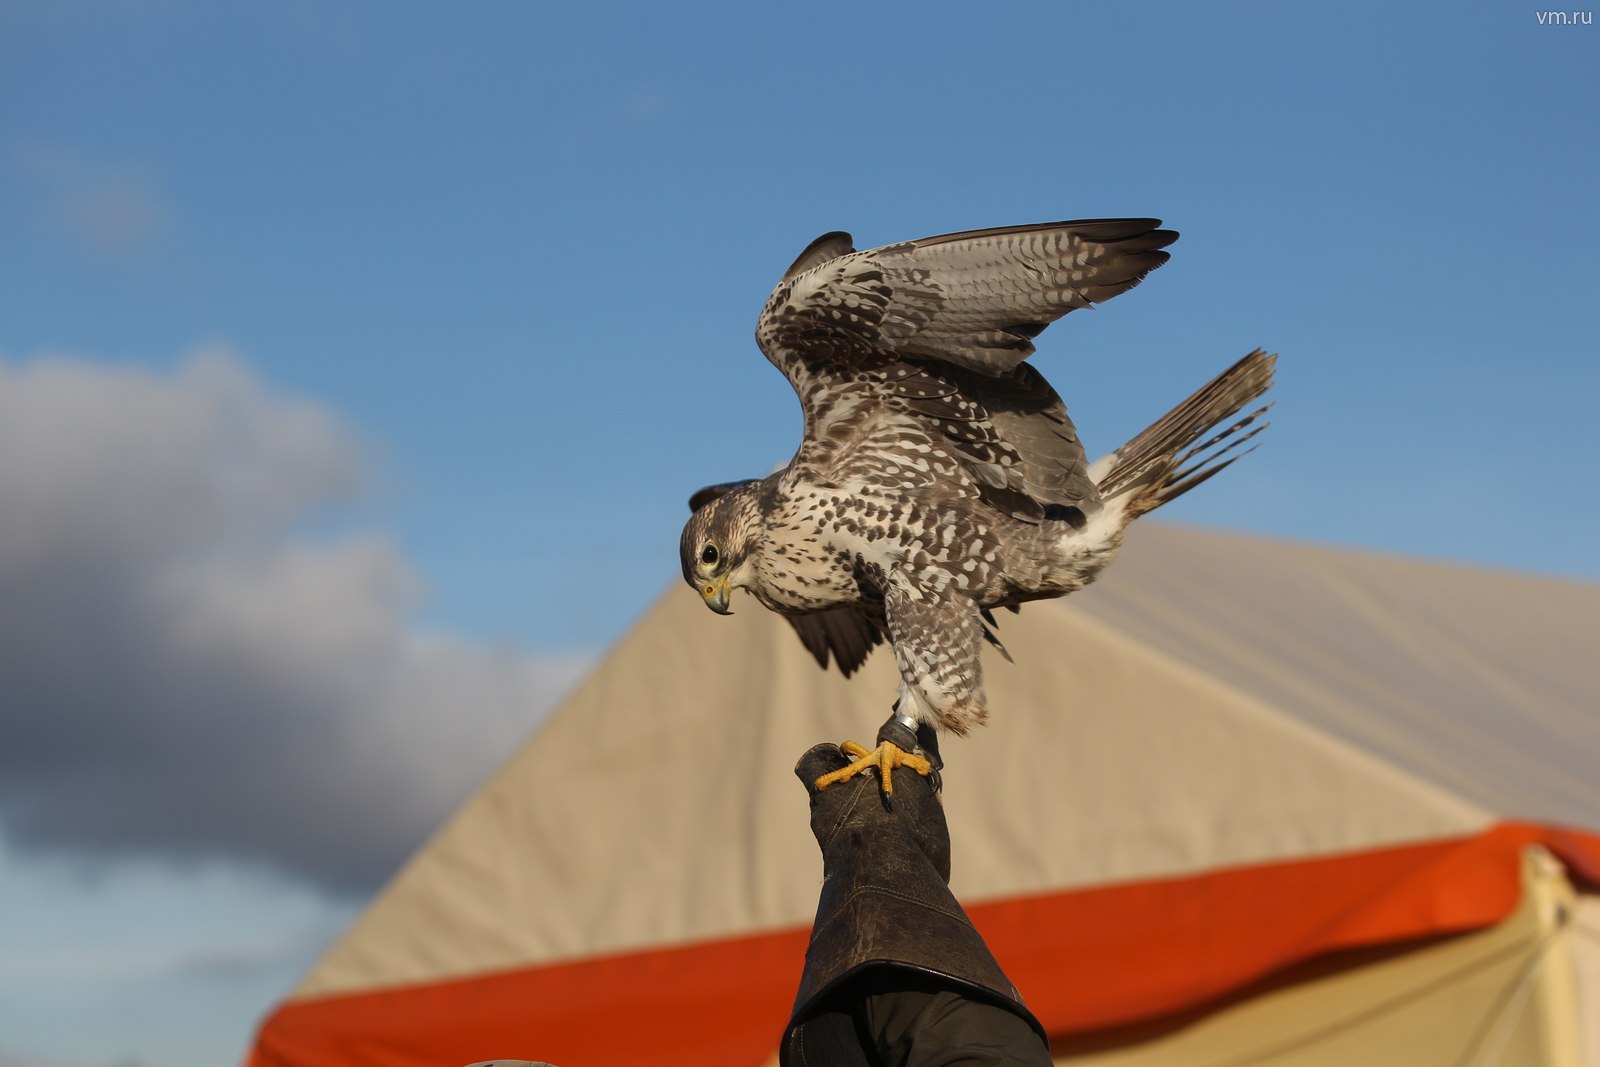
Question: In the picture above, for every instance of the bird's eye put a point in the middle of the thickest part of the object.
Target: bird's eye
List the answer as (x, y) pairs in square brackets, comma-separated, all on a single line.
[(708, 555)]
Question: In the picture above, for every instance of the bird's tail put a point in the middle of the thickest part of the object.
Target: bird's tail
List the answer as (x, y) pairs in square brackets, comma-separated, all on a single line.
[(1188, 444)]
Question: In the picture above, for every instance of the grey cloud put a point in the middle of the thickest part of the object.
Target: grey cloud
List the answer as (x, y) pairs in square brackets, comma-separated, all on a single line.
[(180, 675)]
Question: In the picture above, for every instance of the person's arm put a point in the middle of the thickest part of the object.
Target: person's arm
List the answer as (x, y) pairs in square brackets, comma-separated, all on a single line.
[(895, 973)]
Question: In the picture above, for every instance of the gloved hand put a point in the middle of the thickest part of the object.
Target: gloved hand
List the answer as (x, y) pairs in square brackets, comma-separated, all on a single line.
[(885, 904), (915, 813)]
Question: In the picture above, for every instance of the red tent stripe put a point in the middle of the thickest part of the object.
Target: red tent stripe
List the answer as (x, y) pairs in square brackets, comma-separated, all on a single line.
[(1085, 959)]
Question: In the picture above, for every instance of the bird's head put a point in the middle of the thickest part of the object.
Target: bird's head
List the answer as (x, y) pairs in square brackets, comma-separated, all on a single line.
[(718, 538)]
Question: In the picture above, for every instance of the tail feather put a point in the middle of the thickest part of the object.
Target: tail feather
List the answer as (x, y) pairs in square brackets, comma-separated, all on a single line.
[(1203, 467), (1164, 461)]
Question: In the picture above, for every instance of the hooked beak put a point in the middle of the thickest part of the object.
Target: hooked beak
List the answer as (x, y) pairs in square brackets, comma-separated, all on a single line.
[(715, 594)]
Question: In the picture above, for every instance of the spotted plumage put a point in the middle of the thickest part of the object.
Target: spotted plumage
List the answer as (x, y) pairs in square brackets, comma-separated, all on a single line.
[(939, 476)]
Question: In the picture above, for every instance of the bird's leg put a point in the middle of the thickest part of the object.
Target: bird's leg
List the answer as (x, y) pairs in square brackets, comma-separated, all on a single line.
[(928, 745), (901, 742)]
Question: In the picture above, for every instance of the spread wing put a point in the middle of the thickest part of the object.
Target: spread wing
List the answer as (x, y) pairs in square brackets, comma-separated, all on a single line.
[(975, 299), (942, 326)]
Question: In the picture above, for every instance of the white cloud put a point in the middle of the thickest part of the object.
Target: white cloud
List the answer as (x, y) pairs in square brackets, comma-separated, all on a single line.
[(180, 675)]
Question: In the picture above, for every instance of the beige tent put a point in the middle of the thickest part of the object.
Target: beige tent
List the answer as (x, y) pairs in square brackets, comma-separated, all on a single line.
[(1243, 802)]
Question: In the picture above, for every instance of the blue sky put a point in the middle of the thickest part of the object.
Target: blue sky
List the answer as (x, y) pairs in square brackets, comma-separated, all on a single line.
[(356, 362)]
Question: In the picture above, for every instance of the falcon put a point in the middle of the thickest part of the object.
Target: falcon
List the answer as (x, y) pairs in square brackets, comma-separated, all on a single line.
[(939, 477)]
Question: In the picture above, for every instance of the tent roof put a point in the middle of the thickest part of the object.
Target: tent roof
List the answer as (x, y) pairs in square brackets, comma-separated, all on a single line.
[(1480, 682), (1216, 700)]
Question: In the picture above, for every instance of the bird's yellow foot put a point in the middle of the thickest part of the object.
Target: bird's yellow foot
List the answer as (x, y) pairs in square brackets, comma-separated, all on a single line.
[(886, 757)]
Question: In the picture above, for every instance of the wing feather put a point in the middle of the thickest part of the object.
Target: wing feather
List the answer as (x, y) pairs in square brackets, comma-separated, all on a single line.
[(1029, 416), (847, 633), (976, 299), (827, 247), (707, 494)]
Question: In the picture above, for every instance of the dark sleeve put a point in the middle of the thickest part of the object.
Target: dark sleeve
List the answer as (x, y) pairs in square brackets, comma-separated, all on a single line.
[(888, 1017), (920, 1021)]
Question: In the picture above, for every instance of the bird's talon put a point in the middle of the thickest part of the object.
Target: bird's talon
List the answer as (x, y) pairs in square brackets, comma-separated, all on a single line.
[(885, 758)]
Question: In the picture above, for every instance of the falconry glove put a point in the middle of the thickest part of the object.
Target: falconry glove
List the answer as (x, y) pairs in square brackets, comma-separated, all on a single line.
[(892, 951)]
